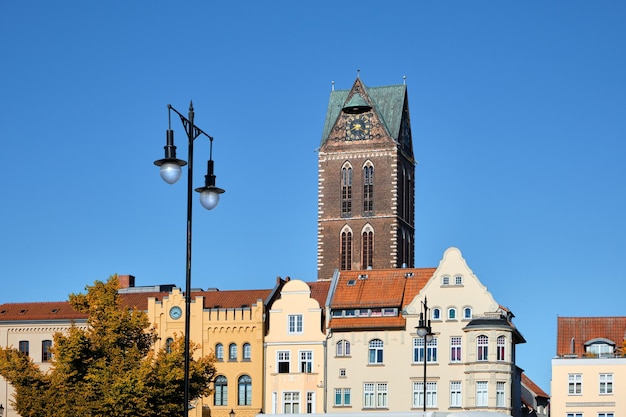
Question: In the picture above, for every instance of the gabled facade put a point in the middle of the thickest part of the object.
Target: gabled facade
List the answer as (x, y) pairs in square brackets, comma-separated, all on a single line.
[(229, 325), (535, 401), (366, 181), (376, 360), (589, 370), (295, 349)]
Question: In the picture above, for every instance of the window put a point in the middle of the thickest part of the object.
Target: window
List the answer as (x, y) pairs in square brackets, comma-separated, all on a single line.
[(368, 188), (219, 352), (574, 414), (342, 397), (481, 394), (346, 190), (291, 402), (467, 313), (343, 348), (24, 347), (368, 247), (221, 391), (346, 250), (283, 362), (501, 343), (436, 314), (342, 372), (295, 323), (306, 361), (418, 350), (600, 349), (606, 383), (604, 415), (168, 345), (455, 349), (232, 352), (499, 394), (376, 351), (46, 355), (375, 395), (247, 352), (575, 384), (458, 280), (455, 394), (482, 345), (445, 281), (452, 313), (310, 402), (245, 390), (418, 395)]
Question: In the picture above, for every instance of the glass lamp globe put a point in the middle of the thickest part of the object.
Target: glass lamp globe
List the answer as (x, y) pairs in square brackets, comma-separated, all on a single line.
[(170, 172), (209, 198), (422, 331)]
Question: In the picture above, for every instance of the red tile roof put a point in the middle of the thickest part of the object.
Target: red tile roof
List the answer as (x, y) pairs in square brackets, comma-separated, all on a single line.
[(350, 323), (534, 388), (319, 291), (231, 299), (579, 330), (54, 310), (381, 288)]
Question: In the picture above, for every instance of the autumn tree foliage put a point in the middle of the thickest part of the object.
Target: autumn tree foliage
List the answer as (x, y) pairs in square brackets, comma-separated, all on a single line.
[(110, 369)]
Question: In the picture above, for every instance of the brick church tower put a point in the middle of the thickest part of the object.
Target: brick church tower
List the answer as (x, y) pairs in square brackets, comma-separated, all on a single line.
[(366, 181)]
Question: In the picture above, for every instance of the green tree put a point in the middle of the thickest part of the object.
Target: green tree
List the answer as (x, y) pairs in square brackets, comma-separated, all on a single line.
[(110, 369)]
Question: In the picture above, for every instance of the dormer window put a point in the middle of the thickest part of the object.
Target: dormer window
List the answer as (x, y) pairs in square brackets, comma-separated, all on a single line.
[(602, 348), (445, 281)]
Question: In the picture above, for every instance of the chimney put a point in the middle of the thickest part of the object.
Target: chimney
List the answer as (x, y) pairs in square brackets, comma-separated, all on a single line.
[(126, 281)]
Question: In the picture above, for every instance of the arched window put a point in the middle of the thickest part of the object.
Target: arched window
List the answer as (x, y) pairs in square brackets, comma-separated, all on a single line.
[(346, 249), (482, 345), (436, 314), (501, 344), (46, 354), (368, 188), (452, 313), (346, 190), (221, 391), (244, 388), (168, 345), (467, 313), (232, 352), (247, 352), (368, 247), (343, 348), (376, 351), (219, 352)]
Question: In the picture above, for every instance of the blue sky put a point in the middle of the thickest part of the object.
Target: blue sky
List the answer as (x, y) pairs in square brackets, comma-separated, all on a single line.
[(518, 118)]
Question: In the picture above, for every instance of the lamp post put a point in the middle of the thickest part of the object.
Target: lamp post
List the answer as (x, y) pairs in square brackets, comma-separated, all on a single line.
[(170, 169), (424, 331)]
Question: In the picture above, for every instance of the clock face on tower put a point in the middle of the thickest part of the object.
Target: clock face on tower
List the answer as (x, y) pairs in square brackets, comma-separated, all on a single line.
[(176, 312), (358, 127)]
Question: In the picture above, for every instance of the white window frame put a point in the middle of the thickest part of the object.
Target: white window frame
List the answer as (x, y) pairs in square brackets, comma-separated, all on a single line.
[(482, 348), (456, 394), (291, 398), (344, 397), (306, 362), (283, 356), (343, 348), (310, 402), (418, 394), (500, 392), (574, 384), (295, 323), (456, 349), (482, 393), (452, 313), (376, 352), (606, 384), (375, 395)]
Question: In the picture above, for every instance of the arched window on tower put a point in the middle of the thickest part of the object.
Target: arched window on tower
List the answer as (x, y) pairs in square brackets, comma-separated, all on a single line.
[(346, 249), (368, 247), (368, 188), (346, 190)]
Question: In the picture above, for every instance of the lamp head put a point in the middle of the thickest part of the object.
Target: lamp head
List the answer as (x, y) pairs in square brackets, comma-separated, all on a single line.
[(170, 165)]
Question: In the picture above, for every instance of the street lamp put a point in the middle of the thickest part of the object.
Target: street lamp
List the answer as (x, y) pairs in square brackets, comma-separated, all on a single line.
[(424, 331), (209, 197)]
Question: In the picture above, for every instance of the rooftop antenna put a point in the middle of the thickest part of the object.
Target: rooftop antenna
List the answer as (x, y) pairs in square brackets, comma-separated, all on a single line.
[(332, 88)]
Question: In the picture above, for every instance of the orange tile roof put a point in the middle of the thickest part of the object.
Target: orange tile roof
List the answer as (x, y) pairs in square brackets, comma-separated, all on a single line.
[(382, 287), (534, 388), (319, 291), (582, 329), (350, 323), (231, 299), (53, 310)]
